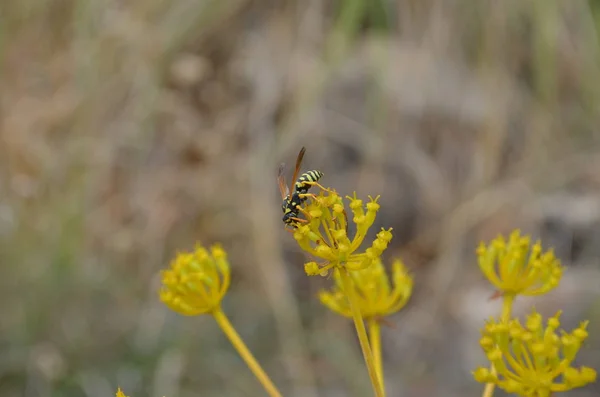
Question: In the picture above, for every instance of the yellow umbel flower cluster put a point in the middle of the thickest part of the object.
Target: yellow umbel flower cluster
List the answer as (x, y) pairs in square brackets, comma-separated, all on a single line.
[(325, 234), (196, 282), (532, 360), (515, 267), (377, 295)]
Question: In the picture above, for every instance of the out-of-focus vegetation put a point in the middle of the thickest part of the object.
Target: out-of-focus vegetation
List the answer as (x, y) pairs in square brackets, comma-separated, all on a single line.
[(132, 129)]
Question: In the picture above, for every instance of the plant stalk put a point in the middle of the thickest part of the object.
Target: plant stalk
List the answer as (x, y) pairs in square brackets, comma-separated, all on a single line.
[(243, 351), (361, 332), (375, 340)]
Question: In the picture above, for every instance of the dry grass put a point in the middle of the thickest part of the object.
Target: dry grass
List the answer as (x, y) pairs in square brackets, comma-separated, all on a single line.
[(131, 129)]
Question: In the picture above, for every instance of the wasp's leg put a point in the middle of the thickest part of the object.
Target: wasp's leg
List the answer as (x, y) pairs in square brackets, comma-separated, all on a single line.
[(299, 220), (307, 195), (315, 183), (294, 226), (305, 212)]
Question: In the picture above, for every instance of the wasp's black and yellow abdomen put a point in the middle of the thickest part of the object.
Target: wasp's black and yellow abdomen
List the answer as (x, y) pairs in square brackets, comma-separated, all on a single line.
[(290, 204), (309, 176)]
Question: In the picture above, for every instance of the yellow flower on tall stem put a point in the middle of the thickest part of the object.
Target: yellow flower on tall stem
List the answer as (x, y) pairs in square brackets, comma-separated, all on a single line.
[(324, 235), (377, 297), (516, 267), (195, 283)]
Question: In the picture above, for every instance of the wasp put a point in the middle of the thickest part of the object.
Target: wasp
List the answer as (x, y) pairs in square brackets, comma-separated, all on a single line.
[(297, 194)]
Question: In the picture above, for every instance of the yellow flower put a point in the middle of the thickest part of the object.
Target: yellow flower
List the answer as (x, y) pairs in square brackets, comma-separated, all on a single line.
[(196, 282), (512, 271), (377, 296), (325, 234), (532, 360)]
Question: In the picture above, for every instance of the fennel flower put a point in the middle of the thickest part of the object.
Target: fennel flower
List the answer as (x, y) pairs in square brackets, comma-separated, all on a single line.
[(515, 267), (378, 296), (196, 282), (325, 234), (533, 360), (374, 297)]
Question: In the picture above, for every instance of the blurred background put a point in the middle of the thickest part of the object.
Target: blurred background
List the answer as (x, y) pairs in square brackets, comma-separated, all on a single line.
[(133, 129)]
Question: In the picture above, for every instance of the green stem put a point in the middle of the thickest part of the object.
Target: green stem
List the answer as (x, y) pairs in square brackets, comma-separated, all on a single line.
[(243, 351), (361, 332), (507, 303), (375, 340)]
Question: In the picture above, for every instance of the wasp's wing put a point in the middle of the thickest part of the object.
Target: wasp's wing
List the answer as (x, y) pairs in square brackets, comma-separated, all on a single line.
[(297, 169), (283, 189)]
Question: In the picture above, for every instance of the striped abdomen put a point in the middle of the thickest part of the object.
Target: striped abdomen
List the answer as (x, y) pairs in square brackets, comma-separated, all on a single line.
[(290, 203), (309, 176)]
